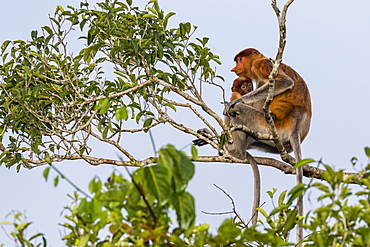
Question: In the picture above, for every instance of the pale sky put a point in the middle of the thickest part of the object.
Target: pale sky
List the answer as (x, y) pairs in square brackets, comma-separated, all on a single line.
[(328, 43)]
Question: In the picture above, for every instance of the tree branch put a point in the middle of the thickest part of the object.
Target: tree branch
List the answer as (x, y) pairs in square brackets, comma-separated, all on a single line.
[(308, 171)]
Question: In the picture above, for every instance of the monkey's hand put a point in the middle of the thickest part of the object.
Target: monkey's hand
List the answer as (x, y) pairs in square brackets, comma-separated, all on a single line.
[(204, 132), (228, 111)]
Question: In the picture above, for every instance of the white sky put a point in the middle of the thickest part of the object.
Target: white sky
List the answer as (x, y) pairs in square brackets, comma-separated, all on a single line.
[(328, 43)]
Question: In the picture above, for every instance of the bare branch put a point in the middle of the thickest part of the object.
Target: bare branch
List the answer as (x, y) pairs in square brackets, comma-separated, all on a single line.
[(195, 112), (308, 171), (195, 101)]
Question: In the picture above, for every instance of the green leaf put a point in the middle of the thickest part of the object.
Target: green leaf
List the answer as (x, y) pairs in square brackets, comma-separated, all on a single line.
[(281, 198), (104, 105), (186, 166), (303, 162), (95, 186), (263, 212), (295, 192), (194, 152), (152, 10), (60, 8), (48, 29), (159, 182), (279, 209), (228, 231), (47, 158), (171, 106), (147, 123), (168, 16), (46, 173), (105, 133), (149, 16), (272, 193), (122, 113), (182, 168), (34, 34), (83, 241), (185, 210), (4, 45), (367, 151), (290, 221), (56, 181), (222, 140), (113, 195)]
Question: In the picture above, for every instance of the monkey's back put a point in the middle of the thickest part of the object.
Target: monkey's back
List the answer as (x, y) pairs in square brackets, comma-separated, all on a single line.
[(297, 99)]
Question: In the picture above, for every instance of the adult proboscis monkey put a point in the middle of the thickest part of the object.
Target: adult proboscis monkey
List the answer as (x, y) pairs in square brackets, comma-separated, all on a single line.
[(291, 108)]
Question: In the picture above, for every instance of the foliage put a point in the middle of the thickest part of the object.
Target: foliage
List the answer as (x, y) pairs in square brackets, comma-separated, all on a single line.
[(53, 103), (123, 81), (136, 213), (21, 226)]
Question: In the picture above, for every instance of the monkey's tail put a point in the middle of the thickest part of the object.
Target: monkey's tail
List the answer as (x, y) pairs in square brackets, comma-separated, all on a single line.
[(257, 187)]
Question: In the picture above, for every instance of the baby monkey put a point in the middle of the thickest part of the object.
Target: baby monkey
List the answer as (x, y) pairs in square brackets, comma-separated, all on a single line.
[(241, 86)]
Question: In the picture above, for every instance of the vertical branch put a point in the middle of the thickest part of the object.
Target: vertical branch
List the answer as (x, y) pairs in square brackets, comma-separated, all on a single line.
[(281, 16)]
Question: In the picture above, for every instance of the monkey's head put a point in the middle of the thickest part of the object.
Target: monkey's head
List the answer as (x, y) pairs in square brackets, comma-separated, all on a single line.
[(242, 85), (244, 60)]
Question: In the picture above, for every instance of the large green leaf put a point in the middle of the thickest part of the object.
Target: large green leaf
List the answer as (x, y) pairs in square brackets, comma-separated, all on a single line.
[(228, 231), (158, 180), (113, 195), (185, 209), (181, 165)]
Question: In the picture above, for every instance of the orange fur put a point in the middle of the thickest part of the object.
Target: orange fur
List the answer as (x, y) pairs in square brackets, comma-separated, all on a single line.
[(253, 64)]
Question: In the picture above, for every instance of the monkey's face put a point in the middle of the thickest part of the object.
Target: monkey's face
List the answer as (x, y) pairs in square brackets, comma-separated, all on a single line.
[(246, 87), (244, 61), (242, 85), (241, 66)]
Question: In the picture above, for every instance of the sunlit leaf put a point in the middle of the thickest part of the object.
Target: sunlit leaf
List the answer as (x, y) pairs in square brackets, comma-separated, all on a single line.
[(295, 192), (159, 182), (303, 162), (185, 209), (367, 151), (122, 113), (228, 231), (46, 173), (104, 105), (56, 181), (194, 152)]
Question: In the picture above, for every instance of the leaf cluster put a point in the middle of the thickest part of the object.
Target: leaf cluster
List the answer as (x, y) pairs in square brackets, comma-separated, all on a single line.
[(54, 101), (135, 212)]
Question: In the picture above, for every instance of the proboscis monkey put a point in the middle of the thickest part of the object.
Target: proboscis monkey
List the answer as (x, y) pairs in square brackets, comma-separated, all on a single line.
[(291, 108), (241, 86)]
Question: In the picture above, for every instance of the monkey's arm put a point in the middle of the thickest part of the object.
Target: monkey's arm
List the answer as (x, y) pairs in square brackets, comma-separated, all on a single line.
[(262, 68), (283, 83)]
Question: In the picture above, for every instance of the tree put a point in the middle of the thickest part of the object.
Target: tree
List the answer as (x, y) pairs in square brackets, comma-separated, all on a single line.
[(54, 104)]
